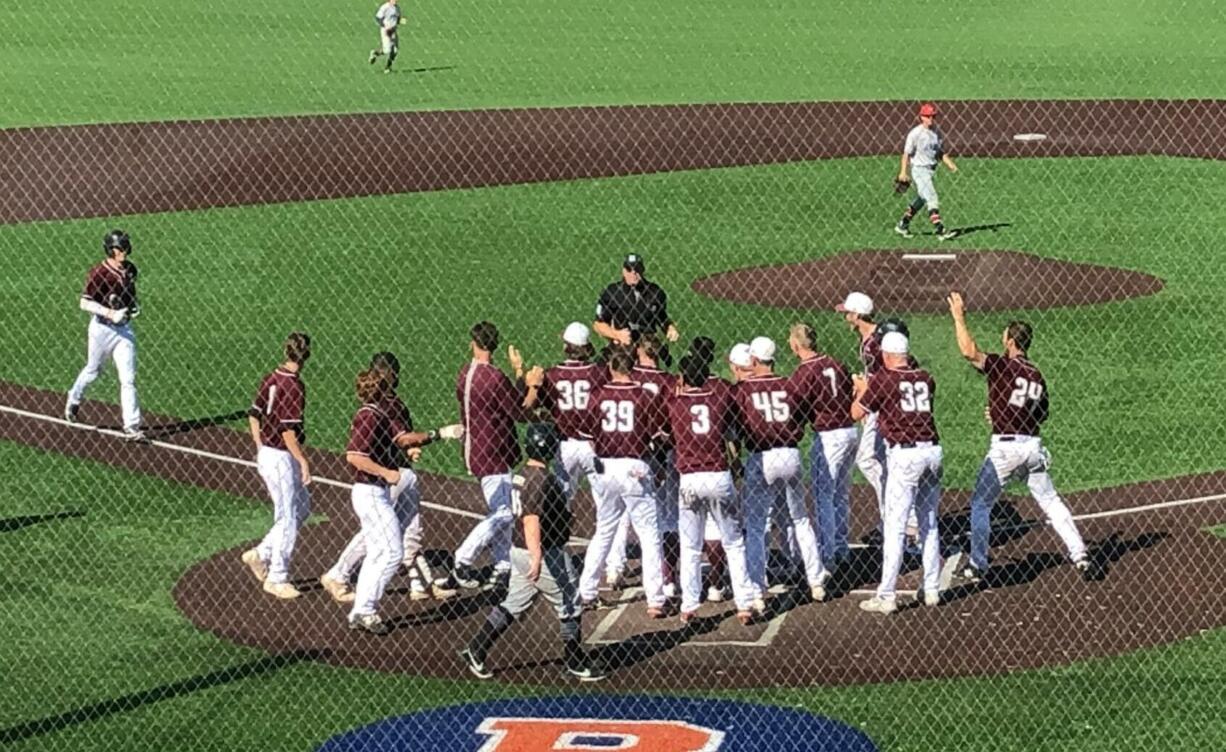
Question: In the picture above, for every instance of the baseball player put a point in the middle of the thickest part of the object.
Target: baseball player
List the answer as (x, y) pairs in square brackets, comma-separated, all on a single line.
[(110, 296), (823, 390), (771, 429), (624, 420), (276, 420), (922, 150), (1017, 406), (699, 419), (568, 388), (903, 397), (406, 498), (388, 19), (490, 406), (541, 565), (372, 453)]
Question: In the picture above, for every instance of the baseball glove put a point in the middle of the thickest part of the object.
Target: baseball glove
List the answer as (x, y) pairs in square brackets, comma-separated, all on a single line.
[(901, 185)]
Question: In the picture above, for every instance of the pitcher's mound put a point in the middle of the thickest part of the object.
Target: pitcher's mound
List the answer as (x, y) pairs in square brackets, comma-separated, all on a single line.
[(918, 281)]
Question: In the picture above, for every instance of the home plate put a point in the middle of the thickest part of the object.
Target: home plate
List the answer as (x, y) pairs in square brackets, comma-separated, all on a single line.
[(929, 256), (1029, 136)]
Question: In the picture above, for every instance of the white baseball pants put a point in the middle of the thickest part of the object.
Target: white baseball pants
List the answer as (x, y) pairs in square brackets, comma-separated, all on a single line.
[(869, 456), (711, 497), (924, 185), (830, 462), (626, 486), (119, 344), (406, 500), (384, 547), (291, 505), (494, 532), (774, 480), (575, 461), (913, 481)]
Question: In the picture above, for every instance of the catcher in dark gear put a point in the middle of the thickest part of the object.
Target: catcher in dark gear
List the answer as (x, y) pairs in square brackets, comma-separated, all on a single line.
[(540, 563)]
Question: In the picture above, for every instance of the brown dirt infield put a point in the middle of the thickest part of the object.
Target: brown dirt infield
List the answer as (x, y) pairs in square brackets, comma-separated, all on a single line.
[(918, 281), (1166, 579)]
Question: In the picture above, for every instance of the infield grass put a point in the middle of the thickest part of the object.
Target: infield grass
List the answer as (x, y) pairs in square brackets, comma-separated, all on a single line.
[(1123, 376), (122, 60), (96, 657)]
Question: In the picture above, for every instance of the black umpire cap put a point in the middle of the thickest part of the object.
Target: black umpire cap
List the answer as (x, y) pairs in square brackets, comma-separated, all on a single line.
[(634, 263)]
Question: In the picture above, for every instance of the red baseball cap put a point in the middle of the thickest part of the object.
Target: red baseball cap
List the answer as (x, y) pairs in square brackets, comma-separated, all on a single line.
[(928, 109)]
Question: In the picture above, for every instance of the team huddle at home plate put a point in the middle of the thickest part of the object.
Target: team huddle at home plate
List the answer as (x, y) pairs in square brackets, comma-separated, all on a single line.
[(691, 464)]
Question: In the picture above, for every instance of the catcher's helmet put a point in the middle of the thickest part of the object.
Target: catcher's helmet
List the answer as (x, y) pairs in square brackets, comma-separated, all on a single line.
[(541, 442), (894, 325), (116, 239)]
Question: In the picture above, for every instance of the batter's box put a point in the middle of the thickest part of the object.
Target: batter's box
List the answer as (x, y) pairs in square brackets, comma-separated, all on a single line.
[(714, 626)]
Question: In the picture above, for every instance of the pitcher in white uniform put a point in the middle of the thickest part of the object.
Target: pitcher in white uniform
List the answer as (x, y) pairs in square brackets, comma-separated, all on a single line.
[(922, 151)]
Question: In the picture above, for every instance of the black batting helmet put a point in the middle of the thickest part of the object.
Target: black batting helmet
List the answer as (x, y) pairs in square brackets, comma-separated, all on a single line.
[(541, 442), (116, 239), (894, 325)]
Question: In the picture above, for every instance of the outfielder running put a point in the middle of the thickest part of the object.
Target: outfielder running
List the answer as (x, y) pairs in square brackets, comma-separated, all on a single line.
[(388, 19), (923, 150), (1017, 406), (110, 296), (276, 420)]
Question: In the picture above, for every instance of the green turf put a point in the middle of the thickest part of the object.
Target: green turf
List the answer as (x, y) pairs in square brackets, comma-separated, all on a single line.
[(1123, 376), (112, 60), (89, 622)]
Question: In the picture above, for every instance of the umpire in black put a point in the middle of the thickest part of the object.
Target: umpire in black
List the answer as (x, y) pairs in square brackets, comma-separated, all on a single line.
[(634, 306), (540, 563)]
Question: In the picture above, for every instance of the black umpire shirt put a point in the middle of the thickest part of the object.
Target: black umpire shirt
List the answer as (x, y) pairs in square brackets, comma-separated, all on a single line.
[(641, 308)]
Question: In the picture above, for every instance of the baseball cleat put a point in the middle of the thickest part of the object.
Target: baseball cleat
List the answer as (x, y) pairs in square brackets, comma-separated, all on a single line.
[(374, 55), (929, 599), (338, 589), (282, 590), (443, 589), (70, 413), (417, 590), (971, 575), (715, 594), (1090, 570), (586, 673), (476, 666), (947, 235), (879, 605), (596, 604), (746, 618), (369, 623), (902, 230), (258, 567), (466, 578), (499, 581), (817, 591), (135, 436), (656, 612)]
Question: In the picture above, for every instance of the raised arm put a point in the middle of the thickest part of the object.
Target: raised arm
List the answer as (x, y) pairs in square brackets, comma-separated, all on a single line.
[(966, 343)]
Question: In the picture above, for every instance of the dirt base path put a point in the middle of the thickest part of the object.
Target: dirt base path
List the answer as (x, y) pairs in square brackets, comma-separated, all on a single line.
[(1166, 581)]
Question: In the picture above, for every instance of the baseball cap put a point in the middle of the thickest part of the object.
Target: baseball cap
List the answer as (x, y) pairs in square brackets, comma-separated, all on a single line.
[(740, 355), (895, 343), (634, 263), (928, 109), (857, 303), (576, 334), (762, 348)]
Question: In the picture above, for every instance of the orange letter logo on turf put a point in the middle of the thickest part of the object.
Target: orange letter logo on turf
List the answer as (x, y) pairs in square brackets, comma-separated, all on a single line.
[(578, 734)]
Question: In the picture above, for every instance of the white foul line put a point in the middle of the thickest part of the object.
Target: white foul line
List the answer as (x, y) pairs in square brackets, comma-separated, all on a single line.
[(212, 456)]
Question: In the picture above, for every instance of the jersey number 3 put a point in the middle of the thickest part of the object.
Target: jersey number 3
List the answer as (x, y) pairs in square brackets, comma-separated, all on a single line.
[(915, 397)]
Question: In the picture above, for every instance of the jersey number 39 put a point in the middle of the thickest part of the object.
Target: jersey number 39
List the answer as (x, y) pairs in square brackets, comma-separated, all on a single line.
[(618, 416)]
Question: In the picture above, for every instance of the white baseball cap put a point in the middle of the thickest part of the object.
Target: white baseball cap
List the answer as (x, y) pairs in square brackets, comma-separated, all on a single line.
[(740, 355), (895, 343), (576, 334), (857, 303), (762, 348)]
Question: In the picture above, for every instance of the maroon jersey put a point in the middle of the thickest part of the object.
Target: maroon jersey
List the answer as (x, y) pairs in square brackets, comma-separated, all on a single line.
[(698, 421), (655, 380), (822, 389), (111, 287), (568, 389), (623, 418), (870, 353), (1017, 395), (370, 435), (903, 401), (402, 423), (768, 413), (489, 406), (280, 405)]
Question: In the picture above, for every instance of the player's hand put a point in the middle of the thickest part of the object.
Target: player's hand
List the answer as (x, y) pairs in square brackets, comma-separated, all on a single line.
[(859, 384), (391, 475), (117, 315), (535, 377), (452, 432), (622, 337), (306, 474), (516, 359), (956, 307), (672, 334), (414, 454), (534, 569)]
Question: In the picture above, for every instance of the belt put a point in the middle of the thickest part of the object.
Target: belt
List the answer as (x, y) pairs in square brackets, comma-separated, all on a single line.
[(914, 445), (1012, 437)]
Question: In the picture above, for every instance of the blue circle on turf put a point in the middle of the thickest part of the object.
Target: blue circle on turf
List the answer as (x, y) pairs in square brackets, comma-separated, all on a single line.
[(606, 722)]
